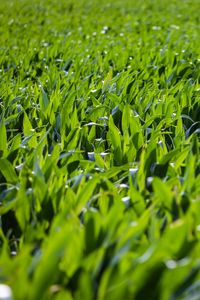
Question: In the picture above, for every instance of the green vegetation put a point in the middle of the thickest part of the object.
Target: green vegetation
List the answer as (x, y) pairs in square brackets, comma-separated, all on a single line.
[(99, 149)]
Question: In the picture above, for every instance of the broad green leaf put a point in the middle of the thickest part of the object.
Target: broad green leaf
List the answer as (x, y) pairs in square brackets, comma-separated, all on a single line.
[(162, 192), (44, 101), (28, 131), (8, 171), (85, 194)]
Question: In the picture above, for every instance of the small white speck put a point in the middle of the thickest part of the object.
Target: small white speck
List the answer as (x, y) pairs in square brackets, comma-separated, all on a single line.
[(133, 171), (5, 292), (171, 264), (156, 28), (175, 27)]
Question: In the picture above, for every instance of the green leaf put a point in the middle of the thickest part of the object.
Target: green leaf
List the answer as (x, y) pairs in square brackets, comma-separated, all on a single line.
[(162, 192), (29, 132), (125, 118), (3, 139), (85, 194), (115, 138), (27, 125), (114, 134), (44, 101), (8, 171)]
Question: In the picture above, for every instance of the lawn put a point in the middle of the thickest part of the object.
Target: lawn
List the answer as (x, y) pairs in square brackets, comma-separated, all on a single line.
[(99, 149)]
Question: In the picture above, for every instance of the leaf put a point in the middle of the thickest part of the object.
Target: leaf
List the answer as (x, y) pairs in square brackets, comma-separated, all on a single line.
[(3, 139), (44, 101), (29, 132), (85, 194), (8, 171), (162, 192), (115, 137), (27, 125), (169, 157), (125, 118)]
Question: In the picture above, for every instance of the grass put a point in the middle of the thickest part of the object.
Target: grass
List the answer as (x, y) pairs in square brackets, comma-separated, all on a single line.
[(99, 149)]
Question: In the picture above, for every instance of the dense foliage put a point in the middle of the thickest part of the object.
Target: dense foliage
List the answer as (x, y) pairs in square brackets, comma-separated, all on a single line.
[(99, 149)]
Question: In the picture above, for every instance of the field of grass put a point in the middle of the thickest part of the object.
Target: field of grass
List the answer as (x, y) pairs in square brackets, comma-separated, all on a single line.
[(99, 149)]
